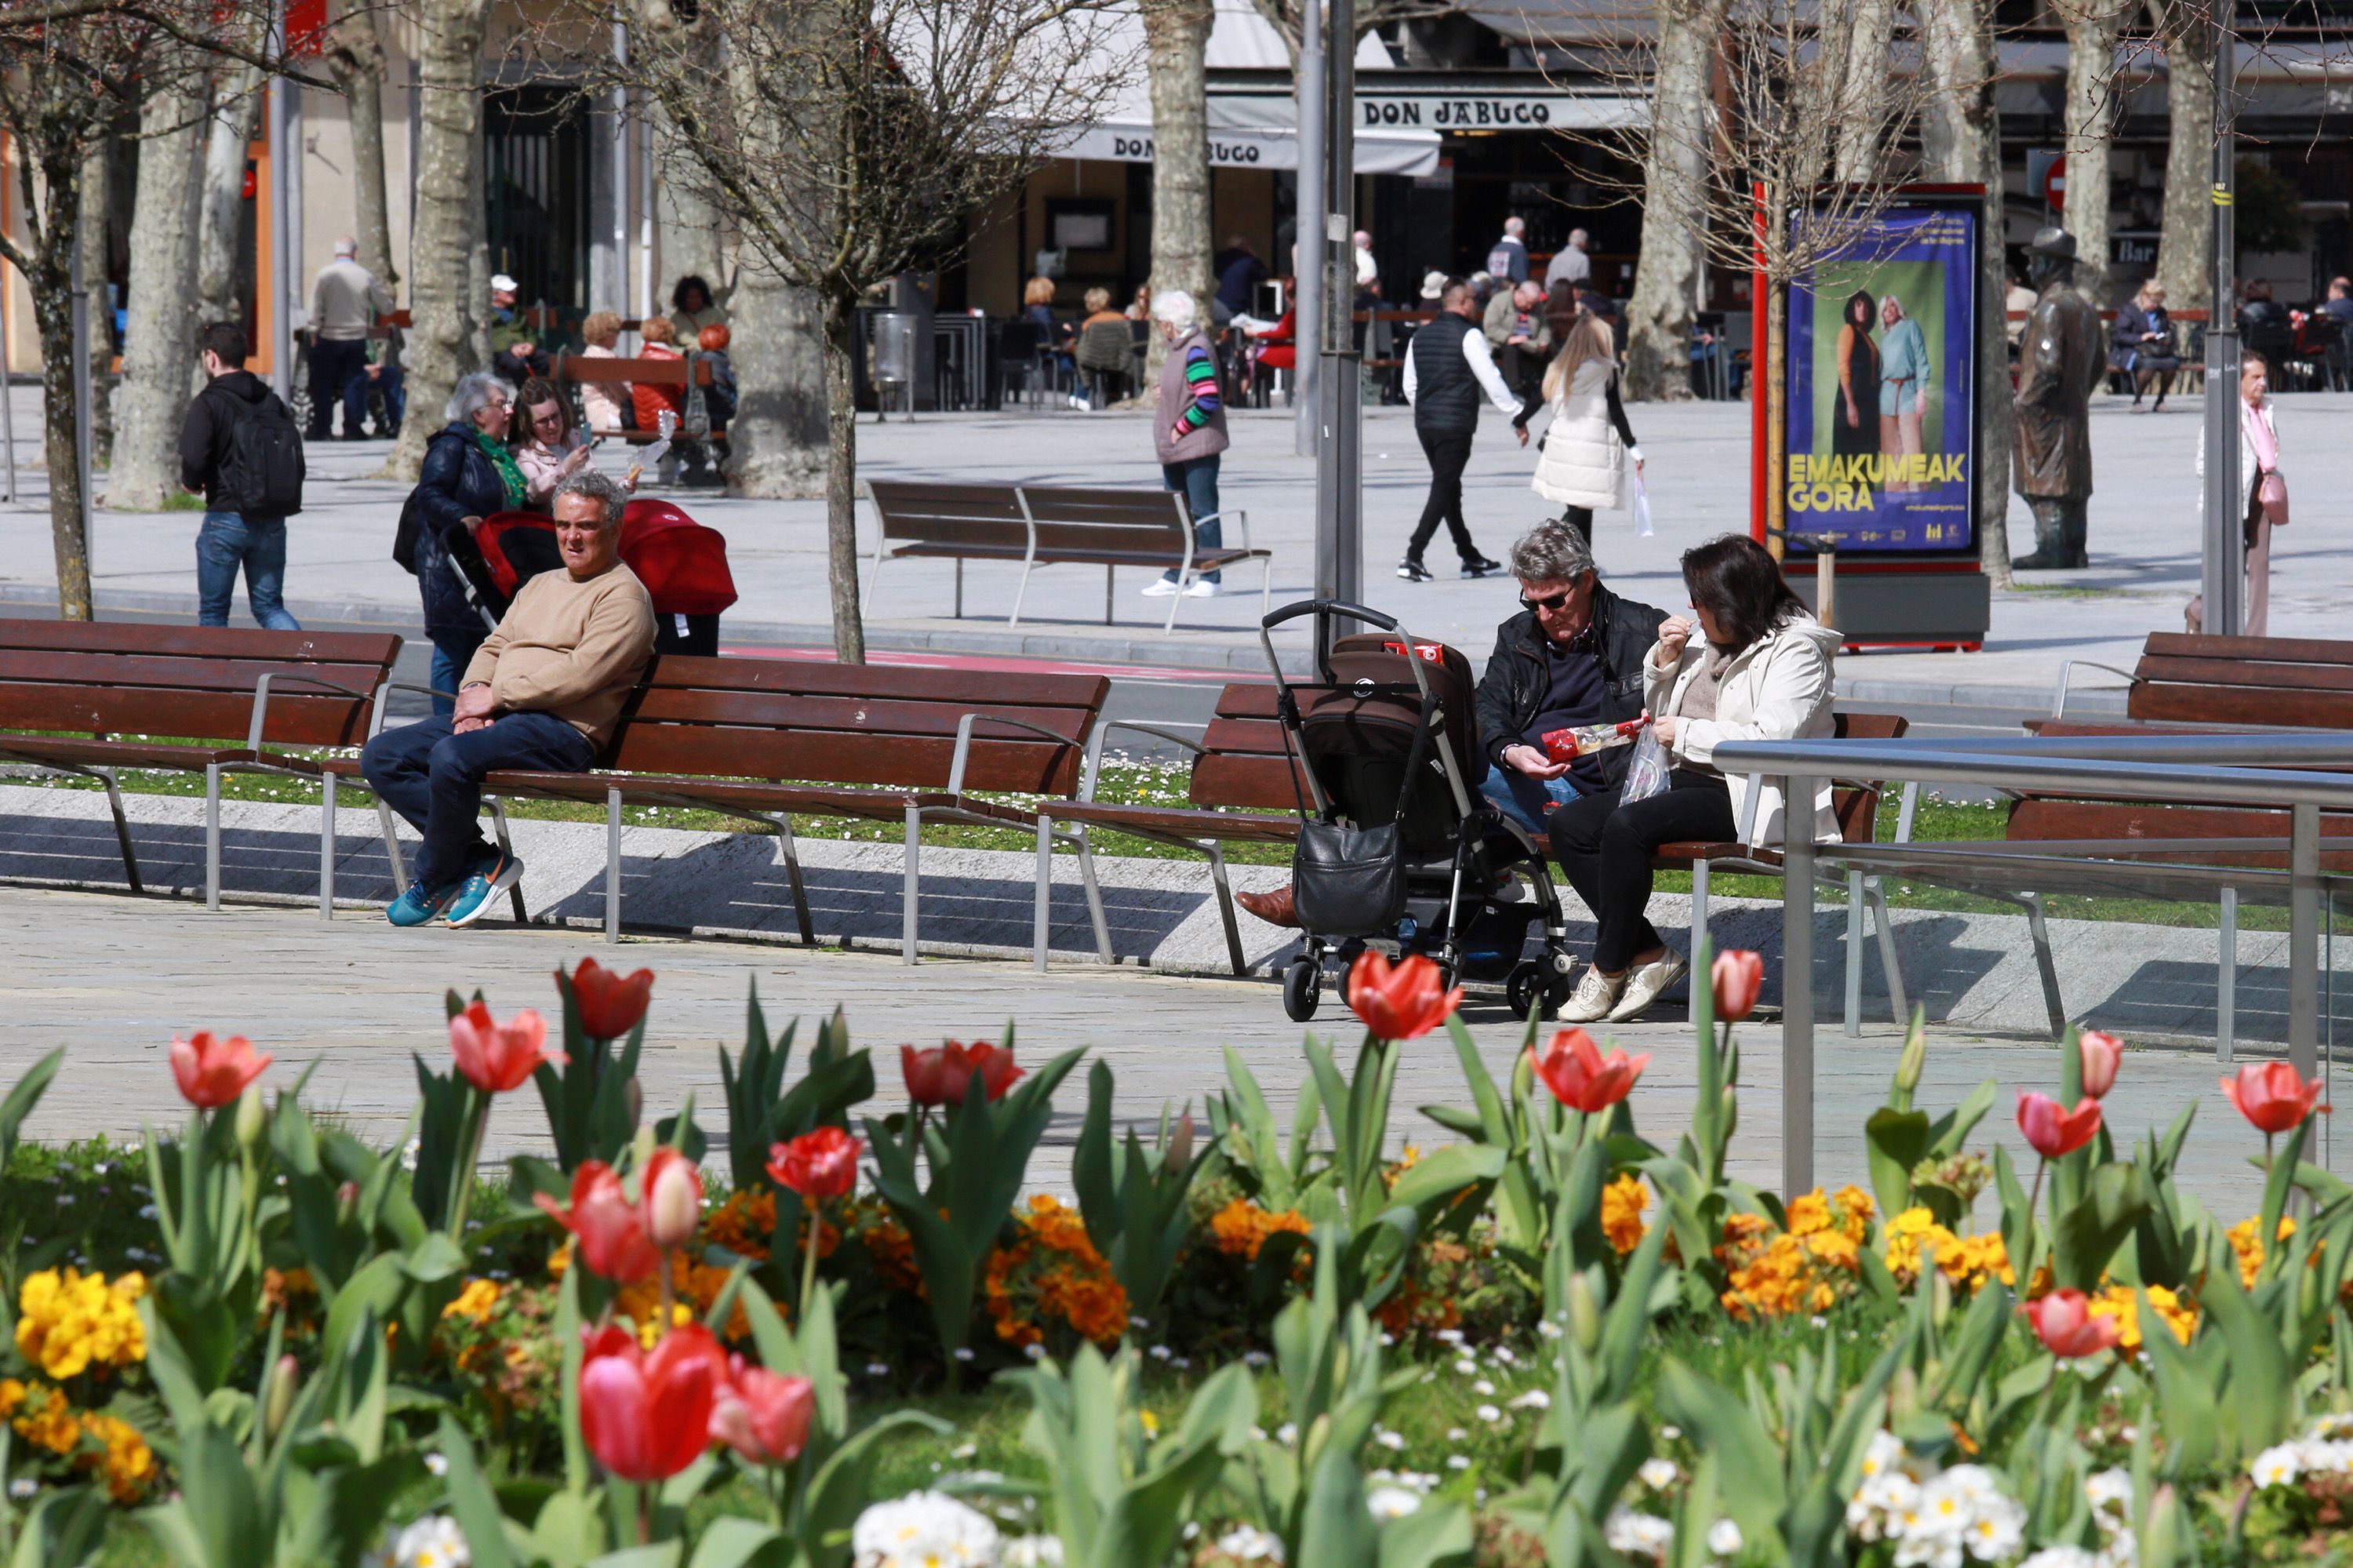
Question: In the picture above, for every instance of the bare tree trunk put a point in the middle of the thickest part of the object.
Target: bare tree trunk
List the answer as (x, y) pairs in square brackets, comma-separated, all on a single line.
[(47, 261), (777, 442), (97, 201), (1871, 25), (481, 267), (1675, 171), (841, 481), (1774, 385), (442, 303), (1177, 40), (2095, 27), (159, 339), (236, 100), (1959, 56), (355, 56), (693, 236), (2183, 263)]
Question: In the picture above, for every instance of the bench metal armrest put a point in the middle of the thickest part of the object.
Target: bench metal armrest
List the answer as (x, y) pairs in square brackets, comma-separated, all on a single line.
[(376, 712), (963, 742), (1092, 771), (1242, 513), (2067, 670), (262, 701)]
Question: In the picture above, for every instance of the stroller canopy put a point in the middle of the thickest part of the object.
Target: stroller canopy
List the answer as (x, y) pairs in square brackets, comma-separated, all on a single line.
[(682, 563)]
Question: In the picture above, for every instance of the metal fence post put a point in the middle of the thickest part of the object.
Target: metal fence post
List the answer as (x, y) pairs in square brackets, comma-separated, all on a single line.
[(2304, 938), (1798, 986)]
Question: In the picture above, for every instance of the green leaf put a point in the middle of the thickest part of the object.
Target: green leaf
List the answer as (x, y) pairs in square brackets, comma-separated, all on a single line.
[(1897, 1142), (742, 1543), (64, 1527), (2088, 1234), (662, 1554), (1435, 1533), (471, 1502), (1725, 1427), (434, 1259), (22, 1099), (1447, 1172)]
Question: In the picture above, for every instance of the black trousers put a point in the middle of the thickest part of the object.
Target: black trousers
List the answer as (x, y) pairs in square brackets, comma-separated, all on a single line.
[(1605, 849), (334, 364), (1581, 519), (1448, 451)]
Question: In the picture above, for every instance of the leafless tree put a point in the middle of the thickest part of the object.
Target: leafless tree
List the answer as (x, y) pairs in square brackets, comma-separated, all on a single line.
[(1176, 41), (848, 140), (159, 335), (354, 56), (446, 303), (2185, 31)]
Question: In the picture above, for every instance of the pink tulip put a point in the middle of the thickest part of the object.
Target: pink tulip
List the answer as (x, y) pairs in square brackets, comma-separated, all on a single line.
[(646, 1415), (672, 1189), (497, 1058), (610, 1229), (212, 1071), (2053, 1133), (2100, 1055), (1739, 977), (761, 1416), (2064, 1323), (1581, 1077), (2268, 1093)]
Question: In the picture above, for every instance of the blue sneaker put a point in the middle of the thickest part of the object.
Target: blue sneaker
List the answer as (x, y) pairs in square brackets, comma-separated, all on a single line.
[(493, 875), (418, 904)]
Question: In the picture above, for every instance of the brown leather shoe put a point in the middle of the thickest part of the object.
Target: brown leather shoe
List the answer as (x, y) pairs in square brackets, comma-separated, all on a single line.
[(1275, 909)]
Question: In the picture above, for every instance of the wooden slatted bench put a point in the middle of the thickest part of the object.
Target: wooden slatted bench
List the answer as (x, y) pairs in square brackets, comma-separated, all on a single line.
[(1044, 526), (765, 740), (1241, 791), (2273, 683), (102, 683)]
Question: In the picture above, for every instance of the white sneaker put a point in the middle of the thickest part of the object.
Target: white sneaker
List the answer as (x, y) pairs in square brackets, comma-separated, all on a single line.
[(1595, 995), (1646, 984), (1201, 588), (1078, 403), (1159, 588)]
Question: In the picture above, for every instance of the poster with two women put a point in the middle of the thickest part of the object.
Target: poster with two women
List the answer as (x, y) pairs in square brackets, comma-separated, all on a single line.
[(1882, 426)]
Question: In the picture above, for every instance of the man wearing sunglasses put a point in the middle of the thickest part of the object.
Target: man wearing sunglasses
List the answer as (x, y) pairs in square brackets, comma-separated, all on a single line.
[(1572, 656)]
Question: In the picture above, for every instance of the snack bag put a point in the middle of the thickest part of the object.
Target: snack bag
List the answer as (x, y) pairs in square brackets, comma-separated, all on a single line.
[(1581, 740)]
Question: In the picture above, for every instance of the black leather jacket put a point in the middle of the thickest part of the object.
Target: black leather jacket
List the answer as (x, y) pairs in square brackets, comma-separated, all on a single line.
[(1512, 691)]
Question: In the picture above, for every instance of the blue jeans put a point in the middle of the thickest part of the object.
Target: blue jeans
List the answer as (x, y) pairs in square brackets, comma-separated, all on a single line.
[(389, 379), (226, 542), (1528, 801), (1197, 479), (434, 779)]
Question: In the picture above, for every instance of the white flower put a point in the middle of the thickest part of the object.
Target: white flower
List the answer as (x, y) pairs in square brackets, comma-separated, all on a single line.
[(1160, 1352), (2109, 1489), (1638, 1535), (438, 1463), (1287, 1433), (1548, 1329), (1658, 1474), (1997, 1532), (1393, 1441), (962, 1353), (23, 1488), (2326, 1456), (1456, 1434), (1883, 1453), (1245, 1544), (1255, 1358), (1449, 1336), (1488, 1414), (1034, 1352), (1457, 1462), (1483, 1387), (923, 1530), (878, 1369), (1033, 1551), (433, 1542), (1386, 1503), (1724, 1538), (2278, 1466), (1467, 1367), (964, 1450), (1535, 1399), (2061, 1557)]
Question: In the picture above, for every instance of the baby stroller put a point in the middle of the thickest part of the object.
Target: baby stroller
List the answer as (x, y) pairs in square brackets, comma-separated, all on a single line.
[(1398, 849), (682, 564)]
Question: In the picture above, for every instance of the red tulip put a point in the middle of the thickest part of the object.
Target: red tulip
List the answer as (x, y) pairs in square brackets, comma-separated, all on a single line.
[(1581, 1077), (2053, 1133), (609, 1005), (995, 1065), (1403, 1002), (761, 1416), (940, 1077), (1739, 977), (2268, 1093), (671, 1190), (2100, 1055), (2064, 1323), (212, 1071), (611, 1229), (646, 1415), (818, 1165), (496, 1058)]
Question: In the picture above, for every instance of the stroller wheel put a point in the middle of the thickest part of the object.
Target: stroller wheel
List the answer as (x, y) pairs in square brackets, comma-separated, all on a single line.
[(1301, 984), (1533, 984)]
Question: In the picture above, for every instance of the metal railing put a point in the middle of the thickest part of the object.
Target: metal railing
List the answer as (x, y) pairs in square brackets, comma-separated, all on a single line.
[(2258, 770)]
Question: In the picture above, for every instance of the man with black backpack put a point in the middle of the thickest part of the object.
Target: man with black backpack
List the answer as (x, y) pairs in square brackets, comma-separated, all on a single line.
[(239, 446)]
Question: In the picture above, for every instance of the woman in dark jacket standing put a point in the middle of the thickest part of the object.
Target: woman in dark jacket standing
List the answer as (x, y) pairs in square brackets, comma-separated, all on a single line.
[(469, 473)]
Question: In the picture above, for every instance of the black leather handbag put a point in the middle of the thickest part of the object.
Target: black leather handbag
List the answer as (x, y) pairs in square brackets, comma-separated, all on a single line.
[(1348, 882)]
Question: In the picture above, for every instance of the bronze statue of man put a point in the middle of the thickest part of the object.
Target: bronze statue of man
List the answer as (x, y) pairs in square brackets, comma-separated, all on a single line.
[(2060, 361)]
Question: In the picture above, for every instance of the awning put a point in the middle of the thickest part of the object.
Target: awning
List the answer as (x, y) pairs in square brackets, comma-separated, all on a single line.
[(1130, 141)]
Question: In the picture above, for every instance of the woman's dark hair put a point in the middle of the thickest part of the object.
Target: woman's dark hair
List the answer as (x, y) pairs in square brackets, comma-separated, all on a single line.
[(1740, 586), (536, 390), (1861, 297), (692, 283)]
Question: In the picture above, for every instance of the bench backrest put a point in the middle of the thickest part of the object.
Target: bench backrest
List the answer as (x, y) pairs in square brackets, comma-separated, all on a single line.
[(579, 369), (1856, 806), (2297, 683), (1062, 517), (855, 724), (1246, 765), (979, 515), (193, 682)]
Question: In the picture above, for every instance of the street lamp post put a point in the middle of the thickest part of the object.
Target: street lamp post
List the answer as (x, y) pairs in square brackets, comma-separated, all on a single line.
[(2226, 492), (1339, 454)]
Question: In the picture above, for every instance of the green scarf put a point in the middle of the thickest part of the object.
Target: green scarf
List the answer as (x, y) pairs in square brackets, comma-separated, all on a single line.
[(510, 475)]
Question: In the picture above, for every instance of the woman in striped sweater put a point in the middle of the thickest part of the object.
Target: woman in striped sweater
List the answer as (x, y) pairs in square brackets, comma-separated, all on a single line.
[(1189, 429)]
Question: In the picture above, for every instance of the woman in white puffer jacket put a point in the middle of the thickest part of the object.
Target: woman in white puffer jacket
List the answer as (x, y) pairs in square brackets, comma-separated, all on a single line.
[(1583, 464)]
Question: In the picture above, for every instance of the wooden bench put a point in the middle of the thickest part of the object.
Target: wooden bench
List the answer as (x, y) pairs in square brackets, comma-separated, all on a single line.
[(2269, 683), (765, 740), (691, 369), (1242, 791), (103, 681), (1044, 526)]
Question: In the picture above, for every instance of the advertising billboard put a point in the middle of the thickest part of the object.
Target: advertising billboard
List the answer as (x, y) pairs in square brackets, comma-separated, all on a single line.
[(1882, 454)]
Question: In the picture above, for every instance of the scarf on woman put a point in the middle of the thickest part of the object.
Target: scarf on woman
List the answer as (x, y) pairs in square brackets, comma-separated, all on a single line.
[(2260, 435), (510, 473)]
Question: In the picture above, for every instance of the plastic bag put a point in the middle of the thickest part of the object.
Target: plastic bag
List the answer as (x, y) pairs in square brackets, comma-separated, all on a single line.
[(1646, 770), (1641, 507)]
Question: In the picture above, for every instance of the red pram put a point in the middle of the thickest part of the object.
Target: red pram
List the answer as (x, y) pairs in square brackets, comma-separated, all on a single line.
[(682, 564)]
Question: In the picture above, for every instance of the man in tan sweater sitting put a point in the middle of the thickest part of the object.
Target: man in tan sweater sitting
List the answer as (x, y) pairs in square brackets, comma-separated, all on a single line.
[(542, 695)]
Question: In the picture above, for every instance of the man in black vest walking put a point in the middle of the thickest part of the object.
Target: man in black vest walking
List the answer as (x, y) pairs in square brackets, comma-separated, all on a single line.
[(1446, 366)]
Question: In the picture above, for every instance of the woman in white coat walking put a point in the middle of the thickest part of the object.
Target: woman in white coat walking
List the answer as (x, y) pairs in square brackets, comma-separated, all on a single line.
[(1760, 670), (2259, 471), (1583, 464)]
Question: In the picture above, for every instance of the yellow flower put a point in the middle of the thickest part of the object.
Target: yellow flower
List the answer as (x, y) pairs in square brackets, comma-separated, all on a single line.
[(1242, 1228), (127, 1464), (476, 1302), (1623, 1205), (2249, 1246), (1809, 1214), (67, 1321), (49, 1424)]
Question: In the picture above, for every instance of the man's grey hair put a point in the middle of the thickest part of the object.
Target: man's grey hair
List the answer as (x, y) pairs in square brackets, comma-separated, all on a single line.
[(346, 246), (1551, 553), (602, 488), (474, 394), (1176, 307), (1515, 225), (1578, 237)]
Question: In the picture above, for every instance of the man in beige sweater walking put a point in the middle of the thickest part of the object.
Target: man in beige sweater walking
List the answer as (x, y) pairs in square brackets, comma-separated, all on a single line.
[(542, 695)]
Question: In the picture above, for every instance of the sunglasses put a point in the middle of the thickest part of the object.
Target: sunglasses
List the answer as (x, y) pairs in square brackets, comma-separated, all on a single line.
[(1549, 601)]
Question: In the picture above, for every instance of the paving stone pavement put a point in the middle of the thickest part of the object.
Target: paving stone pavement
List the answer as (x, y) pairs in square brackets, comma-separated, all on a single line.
[(113, 977)]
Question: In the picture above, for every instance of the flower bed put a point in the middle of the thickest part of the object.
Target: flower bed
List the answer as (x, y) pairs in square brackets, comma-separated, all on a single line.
[(840, 1336)]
